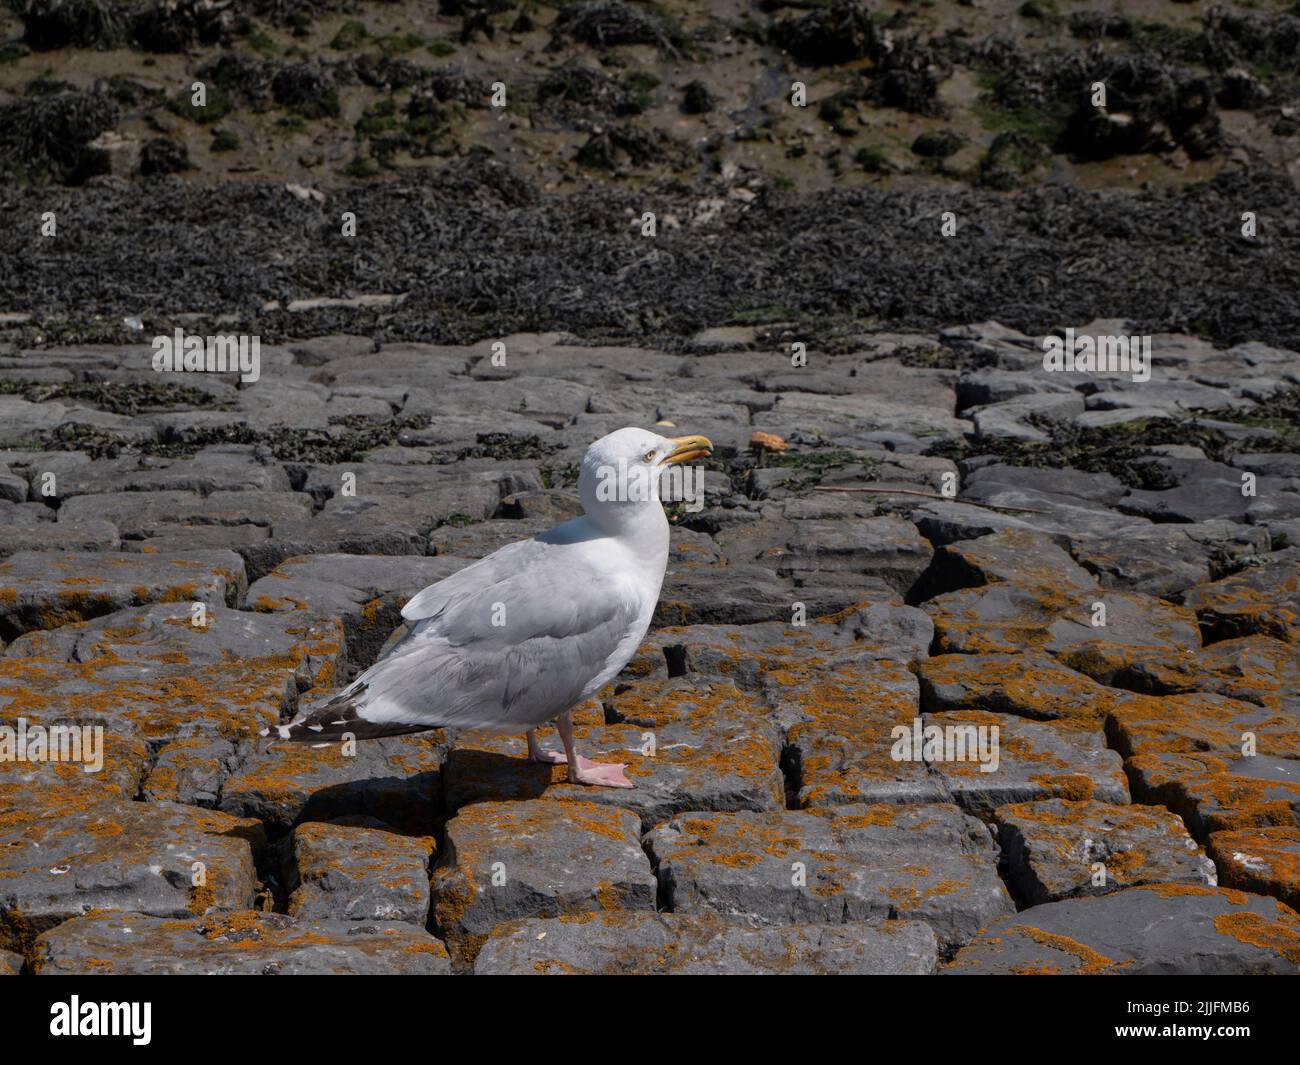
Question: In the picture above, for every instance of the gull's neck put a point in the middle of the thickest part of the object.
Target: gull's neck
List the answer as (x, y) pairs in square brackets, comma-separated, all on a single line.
[(641, 527)]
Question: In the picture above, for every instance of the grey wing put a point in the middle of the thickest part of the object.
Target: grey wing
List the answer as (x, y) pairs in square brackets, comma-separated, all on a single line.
[(505, 644), (496, 568)]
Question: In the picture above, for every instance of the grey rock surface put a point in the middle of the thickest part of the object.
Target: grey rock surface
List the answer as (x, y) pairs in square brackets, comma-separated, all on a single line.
[(1069, 558), (243, 943), (1154, 930), (356, 872), (506, 861), (161, 859), (700, 945), (849, 863), (41, 590), (1058, 849)]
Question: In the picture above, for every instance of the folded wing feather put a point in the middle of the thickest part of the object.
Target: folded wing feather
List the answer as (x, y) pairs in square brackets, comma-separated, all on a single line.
[(502, 645)]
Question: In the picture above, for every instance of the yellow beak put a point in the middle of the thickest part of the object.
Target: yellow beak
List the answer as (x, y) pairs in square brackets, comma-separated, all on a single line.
[(688, 447)]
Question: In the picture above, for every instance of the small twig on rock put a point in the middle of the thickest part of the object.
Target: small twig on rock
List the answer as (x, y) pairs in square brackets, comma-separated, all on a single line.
[(927, 495)]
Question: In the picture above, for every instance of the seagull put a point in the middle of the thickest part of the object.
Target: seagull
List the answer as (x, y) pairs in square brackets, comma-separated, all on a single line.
[(526, 633)]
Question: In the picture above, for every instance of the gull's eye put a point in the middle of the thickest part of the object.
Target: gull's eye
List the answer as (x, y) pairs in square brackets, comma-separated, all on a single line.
[(649, 456)]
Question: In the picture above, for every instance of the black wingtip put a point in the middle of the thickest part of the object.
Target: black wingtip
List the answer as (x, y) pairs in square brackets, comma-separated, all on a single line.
[(338, 718)]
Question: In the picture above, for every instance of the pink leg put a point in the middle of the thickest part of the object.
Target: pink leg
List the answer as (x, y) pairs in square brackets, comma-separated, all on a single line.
[(581, 771), (538, 753)]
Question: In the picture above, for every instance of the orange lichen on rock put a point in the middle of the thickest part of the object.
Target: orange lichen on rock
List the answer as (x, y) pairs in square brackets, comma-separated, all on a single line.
[(1264, 860), (1173, 891), (1257, 600), (1198, 722), (1073, 786), (1281, 936), (654, 703), (1090, 961), (1030, 686)]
